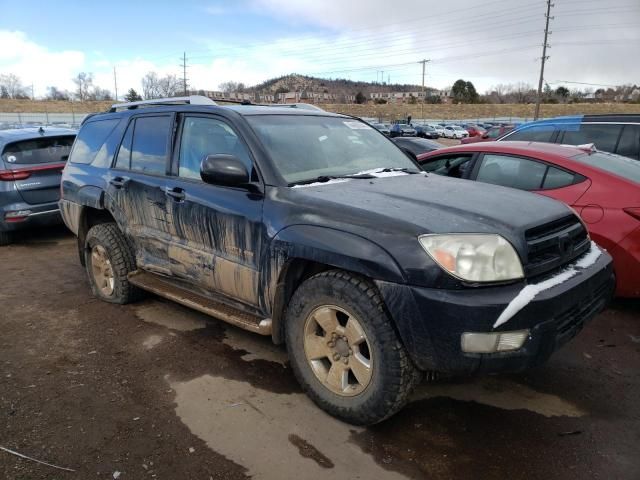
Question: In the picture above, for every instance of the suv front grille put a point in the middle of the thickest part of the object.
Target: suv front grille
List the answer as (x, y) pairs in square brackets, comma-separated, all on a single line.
[(553, 245)]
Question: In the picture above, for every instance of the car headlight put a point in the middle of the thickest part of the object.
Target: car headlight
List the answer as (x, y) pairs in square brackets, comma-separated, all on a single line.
[(474, 257)]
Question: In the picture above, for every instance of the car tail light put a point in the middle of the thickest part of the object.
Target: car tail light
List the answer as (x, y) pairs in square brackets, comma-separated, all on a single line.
[(17, 215), (634, 212), (10, 176), (23, 173)]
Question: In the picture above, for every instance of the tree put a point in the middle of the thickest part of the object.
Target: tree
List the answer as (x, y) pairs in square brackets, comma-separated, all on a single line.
[(228, 87), (4, 93), (53, 93), (562, 92), (464, 92), (99, 94), (11, 85), (151, 86), (361, 98), (169, 86), (132, 96), (84, 82), (412, 100)]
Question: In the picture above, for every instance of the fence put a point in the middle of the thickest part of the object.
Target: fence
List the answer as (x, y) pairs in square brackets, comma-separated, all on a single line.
[(17, 120)]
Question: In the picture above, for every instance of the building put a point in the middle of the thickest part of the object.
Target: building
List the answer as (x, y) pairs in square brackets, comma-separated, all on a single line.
[(404, 97)]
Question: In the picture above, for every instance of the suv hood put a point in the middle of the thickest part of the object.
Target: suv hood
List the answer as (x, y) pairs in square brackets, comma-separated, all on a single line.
[(419, 203)]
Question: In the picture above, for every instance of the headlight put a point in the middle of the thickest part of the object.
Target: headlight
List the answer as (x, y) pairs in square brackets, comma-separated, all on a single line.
[(474, 257)]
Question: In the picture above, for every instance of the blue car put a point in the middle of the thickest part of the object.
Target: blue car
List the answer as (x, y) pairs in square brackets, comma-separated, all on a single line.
[(610, 133), (31, 163)]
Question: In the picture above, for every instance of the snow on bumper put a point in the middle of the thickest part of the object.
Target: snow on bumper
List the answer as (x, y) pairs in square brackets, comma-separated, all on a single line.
[(431, 322)]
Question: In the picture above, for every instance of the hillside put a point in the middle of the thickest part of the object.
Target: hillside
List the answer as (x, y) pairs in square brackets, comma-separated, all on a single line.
[(297, 83)]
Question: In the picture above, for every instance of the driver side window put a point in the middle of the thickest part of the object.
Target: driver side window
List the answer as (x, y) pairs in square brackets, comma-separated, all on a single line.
[(202, 136)]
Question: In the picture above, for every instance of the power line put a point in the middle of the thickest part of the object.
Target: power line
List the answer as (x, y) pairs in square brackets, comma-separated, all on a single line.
[(544, 59)]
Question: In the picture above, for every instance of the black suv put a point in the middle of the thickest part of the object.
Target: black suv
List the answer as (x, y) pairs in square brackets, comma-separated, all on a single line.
[(317, 230)]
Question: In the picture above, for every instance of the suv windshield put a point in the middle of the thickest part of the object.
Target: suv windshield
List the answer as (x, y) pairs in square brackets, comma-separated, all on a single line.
[(307, 147), (618, 165)]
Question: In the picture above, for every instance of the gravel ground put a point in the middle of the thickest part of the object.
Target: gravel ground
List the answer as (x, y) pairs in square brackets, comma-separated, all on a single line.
[(153, 390)]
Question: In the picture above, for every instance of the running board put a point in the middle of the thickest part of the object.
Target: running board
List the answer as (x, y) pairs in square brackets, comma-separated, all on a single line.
[(156, 284)]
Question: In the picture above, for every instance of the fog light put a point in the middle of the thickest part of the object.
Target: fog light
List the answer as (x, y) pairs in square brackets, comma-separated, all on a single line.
[(16, 215), (493, 342)]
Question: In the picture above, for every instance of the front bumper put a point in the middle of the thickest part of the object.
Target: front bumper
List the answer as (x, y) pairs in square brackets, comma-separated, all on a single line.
[(43, 214), (431, 321)]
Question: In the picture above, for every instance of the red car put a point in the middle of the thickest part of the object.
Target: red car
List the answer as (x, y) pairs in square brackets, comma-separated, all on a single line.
[(603, 188), (474, 130), (489, 135)]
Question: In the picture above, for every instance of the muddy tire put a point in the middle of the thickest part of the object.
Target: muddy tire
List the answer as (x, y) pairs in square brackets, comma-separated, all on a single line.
[(5, 238), (108, 261), (344, 350)]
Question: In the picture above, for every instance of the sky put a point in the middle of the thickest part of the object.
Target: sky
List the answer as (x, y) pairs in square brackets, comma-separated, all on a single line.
[(487, 42)]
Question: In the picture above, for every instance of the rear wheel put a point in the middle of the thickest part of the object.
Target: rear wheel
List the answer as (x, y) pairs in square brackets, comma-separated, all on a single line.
[(109, 260), (5, 238), (344, 350)]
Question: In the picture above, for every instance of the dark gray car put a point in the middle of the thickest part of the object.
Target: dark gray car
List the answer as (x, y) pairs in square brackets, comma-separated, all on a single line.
[(31, 162)]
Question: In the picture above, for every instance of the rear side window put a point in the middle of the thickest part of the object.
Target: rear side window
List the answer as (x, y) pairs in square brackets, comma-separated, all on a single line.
[(629, 144), (91, 140), (535, 133), (512, 172), (145, 145), (557, 178), (38, 150), (604, 136)]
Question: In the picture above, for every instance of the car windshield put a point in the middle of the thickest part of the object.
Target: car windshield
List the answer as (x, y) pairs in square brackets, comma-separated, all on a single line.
[(458, 128), (609, 162), (306, 147)]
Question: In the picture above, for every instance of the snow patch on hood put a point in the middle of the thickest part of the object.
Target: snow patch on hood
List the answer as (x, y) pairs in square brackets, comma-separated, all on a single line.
[(376, 172), (528, 293)]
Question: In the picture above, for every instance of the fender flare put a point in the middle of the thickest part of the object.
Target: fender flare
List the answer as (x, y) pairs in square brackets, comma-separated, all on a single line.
[(326, 246)]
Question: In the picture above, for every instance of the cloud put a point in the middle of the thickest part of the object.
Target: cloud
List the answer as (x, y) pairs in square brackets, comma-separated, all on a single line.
[(36, 64)]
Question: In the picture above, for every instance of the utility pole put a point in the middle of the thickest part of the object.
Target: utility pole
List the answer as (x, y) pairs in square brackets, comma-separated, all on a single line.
[(115, 83), (33, 97), (184, 72), (424, 64), (544, 58)]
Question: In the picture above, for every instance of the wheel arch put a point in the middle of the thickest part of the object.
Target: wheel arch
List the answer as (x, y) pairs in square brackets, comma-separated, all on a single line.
[(301, 251)]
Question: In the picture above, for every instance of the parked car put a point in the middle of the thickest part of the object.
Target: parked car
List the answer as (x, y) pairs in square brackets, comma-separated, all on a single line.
[(610, 133), (402, 130), (426, 131), (31, 161), (314, 229), (383, 128), (474, 130), (492, 134), (455, 131), (417, 146), (603, 188), (438, 128)]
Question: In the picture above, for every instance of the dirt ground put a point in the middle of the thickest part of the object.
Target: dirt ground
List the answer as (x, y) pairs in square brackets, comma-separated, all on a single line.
[(153, 390)]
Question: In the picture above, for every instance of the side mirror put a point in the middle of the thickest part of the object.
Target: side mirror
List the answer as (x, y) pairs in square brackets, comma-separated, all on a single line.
[(223, 169)]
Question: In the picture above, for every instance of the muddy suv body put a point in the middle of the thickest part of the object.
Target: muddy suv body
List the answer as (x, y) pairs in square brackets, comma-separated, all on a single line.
[(315, 229)]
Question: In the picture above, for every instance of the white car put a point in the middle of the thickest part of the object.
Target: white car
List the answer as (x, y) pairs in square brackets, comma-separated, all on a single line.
[(455, 131), (438, 128)]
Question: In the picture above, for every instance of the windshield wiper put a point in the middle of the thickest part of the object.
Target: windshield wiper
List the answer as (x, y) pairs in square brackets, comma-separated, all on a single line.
[(327, 178)]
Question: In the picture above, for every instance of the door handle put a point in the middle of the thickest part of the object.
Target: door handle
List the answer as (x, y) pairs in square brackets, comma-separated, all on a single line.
[(176, 193), (118, 182)]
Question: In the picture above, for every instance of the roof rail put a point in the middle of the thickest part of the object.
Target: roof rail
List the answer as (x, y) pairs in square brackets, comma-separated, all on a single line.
[(190, 100)]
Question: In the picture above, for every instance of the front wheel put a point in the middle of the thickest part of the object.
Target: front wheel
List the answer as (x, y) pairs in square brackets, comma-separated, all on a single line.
[(344, 350)]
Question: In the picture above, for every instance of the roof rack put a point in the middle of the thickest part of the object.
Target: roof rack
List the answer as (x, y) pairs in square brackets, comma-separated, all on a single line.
[(190, 100)]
